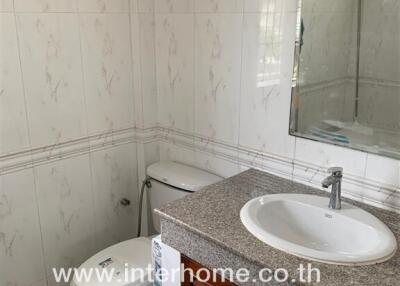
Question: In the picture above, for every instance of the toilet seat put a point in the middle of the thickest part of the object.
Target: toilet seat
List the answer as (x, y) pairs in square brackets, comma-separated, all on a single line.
[(130, 254)]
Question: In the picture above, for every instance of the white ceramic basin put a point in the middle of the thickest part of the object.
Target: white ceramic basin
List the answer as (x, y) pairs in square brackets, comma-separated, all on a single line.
[(304, 226)]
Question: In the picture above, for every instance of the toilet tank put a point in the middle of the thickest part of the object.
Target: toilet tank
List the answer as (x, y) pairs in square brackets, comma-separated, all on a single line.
[(171, 181)]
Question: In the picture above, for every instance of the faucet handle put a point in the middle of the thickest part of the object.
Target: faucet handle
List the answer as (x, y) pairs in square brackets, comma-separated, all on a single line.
[(335, 171)]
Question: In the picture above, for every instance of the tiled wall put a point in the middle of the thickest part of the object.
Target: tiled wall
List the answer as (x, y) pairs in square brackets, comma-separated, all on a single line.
[(94, 91), (327, 65), (70, 106), (224, 88), (380, 65), (328, 68)]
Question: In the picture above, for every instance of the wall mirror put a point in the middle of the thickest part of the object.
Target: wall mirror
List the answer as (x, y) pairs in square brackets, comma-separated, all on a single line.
[(346, 80)]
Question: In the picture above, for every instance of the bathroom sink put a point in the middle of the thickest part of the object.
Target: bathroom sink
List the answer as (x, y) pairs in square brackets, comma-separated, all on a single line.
[(304, 226)]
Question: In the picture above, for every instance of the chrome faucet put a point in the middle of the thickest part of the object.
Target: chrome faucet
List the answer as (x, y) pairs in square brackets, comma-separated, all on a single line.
[(334, 180)]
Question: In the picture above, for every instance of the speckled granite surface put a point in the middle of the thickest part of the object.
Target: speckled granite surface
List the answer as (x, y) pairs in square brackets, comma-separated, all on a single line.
[(206, 226)]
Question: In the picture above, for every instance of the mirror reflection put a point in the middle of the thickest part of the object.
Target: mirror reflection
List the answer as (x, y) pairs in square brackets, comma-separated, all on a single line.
[(346, 83)]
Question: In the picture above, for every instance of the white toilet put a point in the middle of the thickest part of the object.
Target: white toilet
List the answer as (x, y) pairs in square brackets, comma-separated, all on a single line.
[(169, 181)]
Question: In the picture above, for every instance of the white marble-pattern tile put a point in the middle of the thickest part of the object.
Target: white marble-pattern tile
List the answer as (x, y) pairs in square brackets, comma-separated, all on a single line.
[(151, 153), (103, 6), (329, 99), (268, 46), (219, 6), (216, 165), (379, 71), (136, 34), (175, 68), (373, 99), (176, 153), (383, 170), (66, 211), (144, 69), (20, 241), (174, 6), (313, 158), (326, 155), (6, 6), (329, 60), (133, 6), (147, 154), (337, 6), (114, 174), (107, 71), (348, 109), (270, 6), (217, 69), (146, 6), (52, 73), (45, 6), (384, 7), (277, 165), (380, 45), (13, 124)]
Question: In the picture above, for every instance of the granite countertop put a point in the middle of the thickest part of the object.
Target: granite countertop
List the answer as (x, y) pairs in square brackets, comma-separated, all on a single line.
[(213, 214)]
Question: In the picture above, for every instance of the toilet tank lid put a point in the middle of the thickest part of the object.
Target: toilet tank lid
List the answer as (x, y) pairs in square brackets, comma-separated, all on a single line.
[(181, 176)]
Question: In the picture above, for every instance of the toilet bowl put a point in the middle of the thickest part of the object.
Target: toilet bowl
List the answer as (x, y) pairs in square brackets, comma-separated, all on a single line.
[(169, 181), (130, 254)]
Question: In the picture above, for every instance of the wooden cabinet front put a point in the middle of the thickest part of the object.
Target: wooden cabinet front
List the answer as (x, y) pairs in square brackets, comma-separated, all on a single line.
[(200, 276)]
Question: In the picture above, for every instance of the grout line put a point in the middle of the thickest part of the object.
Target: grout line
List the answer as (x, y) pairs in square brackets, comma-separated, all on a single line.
[(155, 60), (84, 93), (35, 188), (64, 12), (132, 76), (131, 54), (140, 76), (194, 95), (89, 154), (124, 12), (22, 80), (294, 156), (366, 164), (132, 26), (242, 57)]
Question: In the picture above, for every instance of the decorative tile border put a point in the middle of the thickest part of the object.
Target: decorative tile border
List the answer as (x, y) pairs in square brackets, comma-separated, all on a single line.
[(355, 187), (29, 158), (322, 85), (313, 87)]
